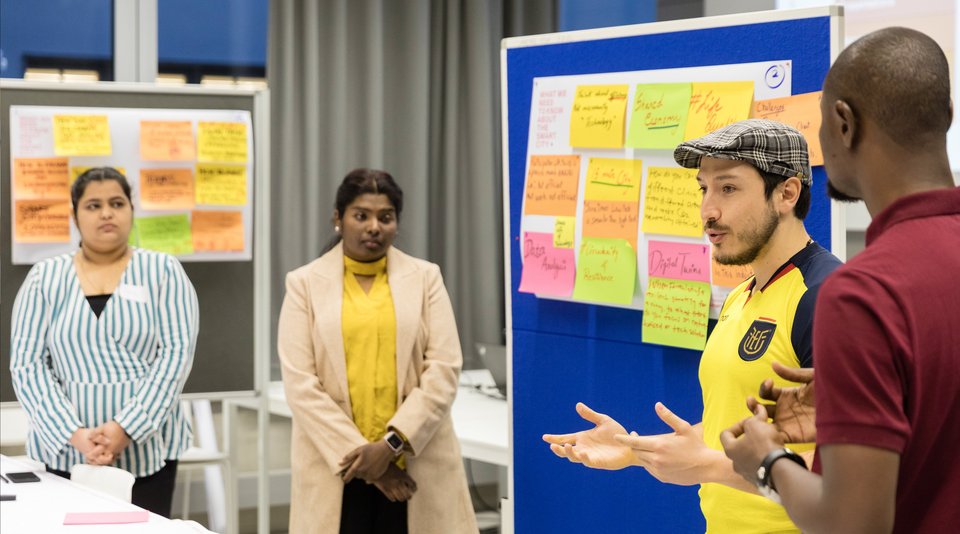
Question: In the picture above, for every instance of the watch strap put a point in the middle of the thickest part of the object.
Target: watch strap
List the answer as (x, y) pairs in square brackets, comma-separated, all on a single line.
[(764, 480)]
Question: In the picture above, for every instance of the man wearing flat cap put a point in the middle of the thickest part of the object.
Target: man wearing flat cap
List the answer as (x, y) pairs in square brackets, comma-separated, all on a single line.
[(755, 178)]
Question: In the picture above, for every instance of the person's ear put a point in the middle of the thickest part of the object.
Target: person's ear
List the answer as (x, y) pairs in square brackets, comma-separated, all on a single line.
[(789, 193), (848, 123)]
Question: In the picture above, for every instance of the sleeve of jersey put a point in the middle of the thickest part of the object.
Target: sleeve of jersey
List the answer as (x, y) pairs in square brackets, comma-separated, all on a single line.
[(801, 334), (859, 341)]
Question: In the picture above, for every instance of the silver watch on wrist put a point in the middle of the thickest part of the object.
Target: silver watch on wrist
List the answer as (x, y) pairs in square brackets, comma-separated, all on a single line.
[(395, 442)]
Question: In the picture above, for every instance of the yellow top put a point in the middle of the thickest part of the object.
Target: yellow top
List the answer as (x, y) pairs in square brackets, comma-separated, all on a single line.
[(370, 344)]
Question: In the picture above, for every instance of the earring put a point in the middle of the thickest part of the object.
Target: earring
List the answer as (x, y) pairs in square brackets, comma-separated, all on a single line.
[(336, 229)]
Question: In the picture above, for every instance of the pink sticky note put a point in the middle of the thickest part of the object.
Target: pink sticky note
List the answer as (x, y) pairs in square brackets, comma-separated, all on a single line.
[(546, 270), (679, 261), (105, 518)]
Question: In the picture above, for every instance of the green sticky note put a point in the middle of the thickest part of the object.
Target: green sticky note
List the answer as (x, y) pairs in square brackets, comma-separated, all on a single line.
[(166, 233), (606, 271), (659, 115), (675, 313)]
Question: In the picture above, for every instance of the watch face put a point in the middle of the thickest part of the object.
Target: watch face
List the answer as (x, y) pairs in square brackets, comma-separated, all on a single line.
[(394, 441)]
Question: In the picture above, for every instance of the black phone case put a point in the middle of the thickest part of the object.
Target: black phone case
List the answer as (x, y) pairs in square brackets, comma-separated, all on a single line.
[(25, 476)]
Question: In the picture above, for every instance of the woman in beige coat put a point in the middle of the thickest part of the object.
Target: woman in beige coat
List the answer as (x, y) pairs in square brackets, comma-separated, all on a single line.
[(364, 461)]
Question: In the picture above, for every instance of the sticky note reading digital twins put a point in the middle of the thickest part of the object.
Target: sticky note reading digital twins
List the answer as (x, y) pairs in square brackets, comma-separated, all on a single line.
[(223, 142), (675, 313), (41, 178), (81, 135), (166, 189), (167, 141), (672, 202), (217, 231), (552, 183), (800, 111), (598, 116), (678, 261), (42, 221), (165, 233), (659, 118), (606, 271), (611, 205), (547, 270), (221, 185), (715, 105)]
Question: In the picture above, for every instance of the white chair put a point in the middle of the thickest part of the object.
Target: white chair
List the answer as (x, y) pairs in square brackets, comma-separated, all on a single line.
[(105, 479), (221, 507)]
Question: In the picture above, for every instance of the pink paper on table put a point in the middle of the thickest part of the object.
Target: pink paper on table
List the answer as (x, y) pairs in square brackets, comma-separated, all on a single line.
[(679, 261), (546, 270), (106, 518)]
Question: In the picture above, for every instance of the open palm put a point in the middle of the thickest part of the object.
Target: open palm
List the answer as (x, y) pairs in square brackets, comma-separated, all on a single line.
[(596, 447)]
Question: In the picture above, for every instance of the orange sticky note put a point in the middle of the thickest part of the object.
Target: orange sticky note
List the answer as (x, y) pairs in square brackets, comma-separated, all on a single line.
[(42, 221), (36, 178), (217, 231), (714, 105), (598, 116), (729, 275), (800, 111), (552, 183), (166, 189), (167, 141), (612, 219)]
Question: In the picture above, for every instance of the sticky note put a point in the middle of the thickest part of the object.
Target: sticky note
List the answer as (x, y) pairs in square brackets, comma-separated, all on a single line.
[(165, 233), (598, 116), (659, 115), (606, 218), (36, 135), (41, 178), (716, 104), (42, 221), (606, 271), (166, 189), (222, 142), (729, 275), (221, 185), (546, 270), (552, 183), (217, 231), (564, 232), (75, 172), (672, 202), (106, 518), (81, 135), (800, 111), (678, 261), (675, 313), (550, 131), (613, 179), (167, 141)]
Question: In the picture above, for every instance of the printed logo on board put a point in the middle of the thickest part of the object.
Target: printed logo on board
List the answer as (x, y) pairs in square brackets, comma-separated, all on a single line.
[(757, 339)]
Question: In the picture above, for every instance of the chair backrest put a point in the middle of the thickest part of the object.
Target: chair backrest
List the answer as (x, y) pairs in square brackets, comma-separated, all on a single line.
[(104, 478)]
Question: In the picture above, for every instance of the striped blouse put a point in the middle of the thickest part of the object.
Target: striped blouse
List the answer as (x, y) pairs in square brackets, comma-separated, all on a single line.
[(72, 370)]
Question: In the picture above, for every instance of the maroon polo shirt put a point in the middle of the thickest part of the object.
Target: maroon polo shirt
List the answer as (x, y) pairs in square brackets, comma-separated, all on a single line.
[(887, 351)]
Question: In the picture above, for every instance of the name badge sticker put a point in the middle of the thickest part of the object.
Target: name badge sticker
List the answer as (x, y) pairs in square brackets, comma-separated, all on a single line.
[(134, 293)]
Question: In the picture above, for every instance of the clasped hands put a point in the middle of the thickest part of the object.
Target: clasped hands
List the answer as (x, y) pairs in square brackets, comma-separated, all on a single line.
[(101, 445), (374, 463)]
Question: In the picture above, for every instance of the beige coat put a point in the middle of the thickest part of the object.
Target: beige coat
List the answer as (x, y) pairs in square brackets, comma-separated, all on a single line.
[(310, 342)]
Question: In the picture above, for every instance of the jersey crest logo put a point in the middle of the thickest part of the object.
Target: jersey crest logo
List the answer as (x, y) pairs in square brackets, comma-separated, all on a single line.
[(757, 339)]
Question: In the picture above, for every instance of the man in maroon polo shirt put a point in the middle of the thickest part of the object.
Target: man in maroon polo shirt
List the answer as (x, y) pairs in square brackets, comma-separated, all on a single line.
[(887, 326)]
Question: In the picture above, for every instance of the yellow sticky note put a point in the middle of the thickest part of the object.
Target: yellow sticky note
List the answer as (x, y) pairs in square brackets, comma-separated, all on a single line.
[(81, 135), (613, 179), (221, 185), (75, 172), (714, 105), (672, 202), (606, 271), (223, 142), (564, 229), (675, 313), (598, 116), (800, 111)]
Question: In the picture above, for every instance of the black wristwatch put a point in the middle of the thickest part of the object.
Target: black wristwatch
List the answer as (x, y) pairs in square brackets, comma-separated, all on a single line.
[(764, 482), (395, 442)]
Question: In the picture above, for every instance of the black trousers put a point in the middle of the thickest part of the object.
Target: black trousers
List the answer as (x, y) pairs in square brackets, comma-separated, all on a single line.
[(368, 511), (152, 492)]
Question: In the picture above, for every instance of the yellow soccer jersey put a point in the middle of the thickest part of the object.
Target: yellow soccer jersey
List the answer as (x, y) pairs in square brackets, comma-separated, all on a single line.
[(756, 327)]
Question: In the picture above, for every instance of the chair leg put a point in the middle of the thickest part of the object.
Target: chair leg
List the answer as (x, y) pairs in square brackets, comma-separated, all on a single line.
[(230, 497), (187, 482)]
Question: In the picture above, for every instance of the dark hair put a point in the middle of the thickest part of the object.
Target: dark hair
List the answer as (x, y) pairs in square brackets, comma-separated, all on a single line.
[(361, 182), (771, 181), (97, 174), (899, 78)]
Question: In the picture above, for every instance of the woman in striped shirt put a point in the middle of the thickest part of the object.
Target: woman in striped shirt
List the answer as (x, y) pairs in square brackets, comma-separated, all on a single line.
[(102, 343)]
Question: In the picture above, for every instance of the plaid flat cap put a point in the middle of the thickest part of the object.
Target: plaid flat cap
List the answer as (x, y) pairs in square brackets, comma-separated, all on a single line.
[(767, 145)]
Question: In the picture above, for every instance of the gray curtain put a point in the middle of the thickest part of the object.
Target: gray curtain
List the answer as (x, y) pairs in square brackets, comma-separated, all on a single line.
[(411, 87)]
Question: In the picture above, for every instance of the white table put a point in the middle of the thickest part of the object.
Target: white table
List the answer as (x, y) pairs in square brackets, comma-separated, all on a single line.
[(40, 507)]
